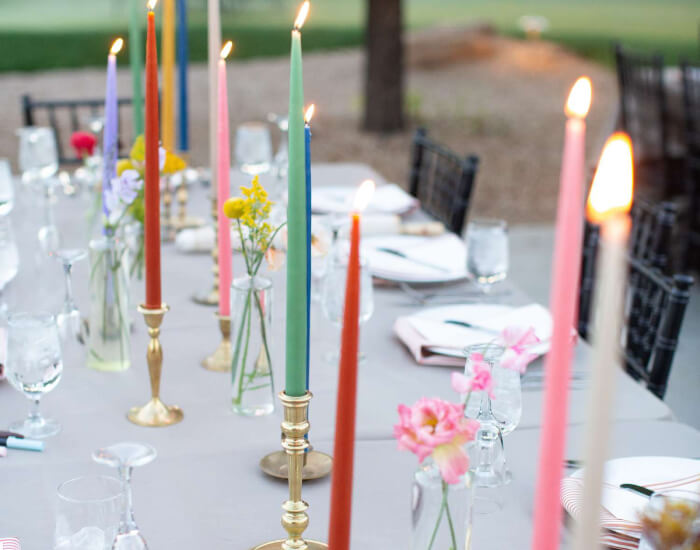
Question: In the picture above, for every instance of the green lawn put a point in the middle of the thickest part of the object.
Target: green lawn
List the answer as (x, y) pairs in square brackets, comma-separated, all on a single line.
[(38, 34)]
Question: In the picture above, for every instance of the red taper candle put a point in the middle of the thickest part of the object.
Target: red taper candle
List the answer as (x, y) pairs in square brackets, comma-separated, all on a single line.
[(344, 448), (151, 228)]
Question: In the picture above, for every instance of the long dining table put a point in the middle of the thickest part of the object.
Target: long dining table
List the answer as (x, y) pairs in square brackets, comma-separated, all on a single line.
[(205, 488)]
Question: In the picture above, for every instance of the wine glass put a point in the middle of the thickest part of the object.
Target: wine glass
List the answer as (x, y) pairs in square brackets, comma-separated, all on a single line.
[(9, 259), (253, 151), (487, 251), (498, 415), (34, 367), (333, 292), (281, 160), (38, 155), (7, 194), (87, 513), (125, 457)]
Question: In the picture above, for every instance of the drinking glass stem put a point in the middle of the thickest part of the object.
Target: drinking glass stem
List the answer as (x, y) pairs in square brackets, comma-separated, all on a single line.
[(128, 523), (68, 300), (34, 413)]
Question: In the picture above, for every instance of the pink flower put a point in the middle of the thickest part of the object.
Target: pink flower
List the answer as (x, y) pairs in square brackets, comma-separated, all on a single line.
[(480, 380), (83, 143), (517, 341), (438, 428)]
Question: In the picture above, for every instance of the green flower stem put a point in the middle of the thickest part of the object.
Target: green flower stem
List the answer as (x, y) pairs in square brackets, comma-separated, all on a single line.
[(445, 492), (238, 348), (443, 505)]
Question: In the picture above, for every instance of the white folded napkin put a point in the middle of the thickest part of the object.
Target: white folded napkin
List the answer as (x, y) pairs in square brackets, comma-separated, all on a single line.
[(200, 239), (387, 199), (427, 258), (434, 342)]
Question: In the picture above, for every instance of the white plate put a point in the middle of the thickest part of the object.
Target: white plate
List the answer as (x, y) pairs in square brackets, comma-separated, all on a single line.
[(429, 259), (387, 199), (624, 506)]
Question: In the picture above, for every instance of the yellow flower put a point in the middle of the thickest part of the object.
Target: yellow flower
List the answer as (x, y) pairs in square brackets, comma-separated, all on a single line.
[(173, 163), (123, 165), (138, 151), (234, 208)]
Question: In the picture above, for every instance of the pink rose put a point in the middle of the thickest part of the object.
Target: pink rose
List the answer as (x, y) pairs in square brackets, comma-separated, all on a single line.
[(438, 428), (517, 340)]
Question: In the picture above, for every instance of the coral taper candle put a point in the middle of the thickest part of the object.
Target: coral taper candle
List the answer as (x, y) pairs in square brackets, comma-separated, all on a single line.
[(182, 64), (110, 134), (344, 448), (296, 330), (563, 299), (168, 53), (224, 189), (608, 204), (152, 169), (308, 115), (136, 61)]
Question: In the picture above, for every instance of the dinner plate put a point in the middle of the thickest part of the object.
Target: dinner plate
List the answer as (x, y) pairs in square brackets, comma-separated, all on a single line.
[(621, 507), (416, 259), (387, 199)]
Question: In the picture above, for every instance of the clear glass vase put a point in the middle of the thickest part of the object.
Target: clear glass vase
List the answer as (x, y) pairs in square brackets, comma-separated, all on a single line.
[(251, 368), (108, 344), (441, 512)]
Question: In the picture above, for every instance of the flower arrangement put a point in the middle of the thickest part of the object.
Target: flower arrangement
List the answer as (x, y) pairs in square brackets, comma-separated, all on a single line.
[(674, 526)]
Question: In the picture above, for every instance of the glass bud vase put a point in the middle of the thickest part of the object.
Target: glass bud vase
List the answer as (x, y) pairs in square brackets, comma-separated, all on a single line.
[(251, 368), (442, 512), (108, 344)]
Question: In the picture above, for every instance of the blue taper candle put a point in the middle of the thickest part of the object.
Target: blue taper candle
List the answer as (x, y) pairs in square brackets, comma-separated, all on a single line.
[(182, 61), (307, 142)]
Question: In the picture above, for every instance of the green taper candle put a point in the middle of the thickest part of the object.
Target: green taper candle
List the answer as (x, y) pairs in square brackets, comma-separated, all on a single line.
[(295, 372), (136, 59)]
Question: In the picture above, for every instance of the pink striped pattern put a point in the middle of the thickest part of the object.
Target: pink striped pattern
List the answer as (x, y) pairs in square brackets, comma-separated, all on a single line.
[(10, 544)]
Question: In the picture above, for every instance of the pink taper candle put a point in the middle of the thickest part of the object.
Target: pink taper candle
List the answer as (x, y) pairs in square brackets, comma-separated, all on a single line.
[(224, 188), (563, 300)]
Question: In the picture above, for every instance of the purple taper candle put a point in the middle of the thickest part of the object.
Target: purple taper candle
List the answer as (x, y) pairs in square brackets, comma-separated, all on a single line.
[(110, 133)]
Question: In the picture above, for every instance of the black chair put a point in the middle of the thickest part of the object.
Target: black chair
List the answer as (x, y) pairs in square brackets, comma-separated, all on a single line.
[(652, 238), (644, 115), (691, 103), (442, 181), (64, 116)]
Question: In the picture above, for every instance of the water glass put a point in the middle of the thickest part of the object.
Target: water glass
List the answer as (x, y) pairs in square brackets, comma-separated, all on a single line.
[(671, 521), (38, 155), (7, 194), (9, 259), (487, 251), (34, 367), (88, 511), (253, 151)]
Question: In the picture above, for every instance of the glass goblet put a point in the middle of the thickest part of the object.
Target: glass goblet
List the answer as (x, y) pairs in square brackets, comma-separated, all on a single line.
[(34, 367), (253, 150), (87, 513), (7, 194), (498, 415), (487, 251), (333, 293), (9, 260), (125, 457), (38, 155)]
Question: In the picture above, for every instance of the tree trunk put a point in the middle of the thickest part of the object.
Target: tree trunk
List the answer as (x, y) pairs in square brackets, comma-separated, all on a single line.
[(384, 71)]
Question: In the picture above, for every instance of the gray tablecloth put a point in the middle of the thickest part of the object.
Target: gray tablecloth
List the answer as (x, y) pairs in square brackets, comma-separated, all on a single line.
[(206, 476)]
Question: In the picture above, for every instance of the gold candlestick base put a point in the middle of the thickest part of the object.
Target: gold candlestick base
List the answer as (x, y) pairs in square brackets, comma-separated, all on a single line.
[(295, 520), (188, 222), (211, 297), (220, 360), (316, 465), (154, 413)]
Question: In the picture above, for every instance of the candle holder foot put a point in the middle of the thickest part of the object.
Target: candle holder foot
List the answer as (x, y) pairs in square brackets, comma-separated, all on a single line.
[(220, 360), (155, 413), (210, 298), (277, 545), (316, 466), (188, 222)]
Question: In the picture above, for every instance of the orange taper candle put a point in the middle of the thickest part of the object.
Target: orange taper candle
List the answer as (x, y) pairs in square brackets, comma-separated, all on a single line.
[(344, 449), (152, 170)]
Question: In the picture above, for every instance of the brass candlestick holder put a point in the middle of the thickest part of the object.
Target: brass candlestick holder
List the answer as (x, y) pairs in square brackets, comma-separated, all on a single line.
[(182, 220), (211, 298), (295, 520), (167, 229), (155, 412), (316, 464), (220, 360)]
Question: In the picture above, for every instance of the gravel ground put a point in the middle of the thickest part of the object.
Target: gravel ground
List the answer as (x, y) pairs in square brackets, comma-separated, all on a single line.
[(505, 105)]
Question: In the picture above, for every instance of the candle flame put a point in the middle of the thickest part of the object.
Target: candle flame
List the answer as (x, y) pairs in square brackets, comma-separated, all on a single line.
[(579, 101), (301, 16), (152, 4), (613, 183), (116, 46), (308, 115), (227, 49), (363, 195)]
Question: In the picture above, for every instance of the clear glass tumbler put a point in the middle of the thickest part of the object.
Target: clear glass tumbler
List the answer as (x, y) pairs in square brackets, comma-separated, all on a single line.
[(253, 151), (487, 251), (671, 521), (7, 193), (38, 155)]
